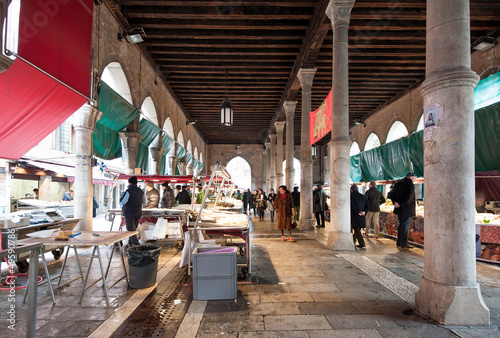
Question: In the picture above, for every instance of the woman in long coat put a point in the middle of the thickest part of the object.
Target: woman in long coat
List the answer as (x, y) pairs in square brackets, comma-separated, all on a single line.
[(283, 204)]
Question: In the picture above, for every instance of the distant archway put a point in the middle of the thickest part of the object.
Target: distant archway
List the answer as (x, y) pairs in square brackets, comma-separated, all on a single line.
[(149, 110), (420, 123), (397, 131), (297, 174), (240, 172), (372, 142)]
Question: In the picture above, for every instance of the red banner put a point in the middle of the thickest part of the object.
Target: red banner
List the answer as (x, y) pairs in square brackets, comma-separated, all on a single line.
[(320, 120)]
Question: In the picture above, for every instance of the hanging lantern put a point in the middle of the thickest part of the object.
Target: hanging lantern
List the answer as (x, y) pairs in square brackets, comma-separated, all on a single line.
[(226, 113)]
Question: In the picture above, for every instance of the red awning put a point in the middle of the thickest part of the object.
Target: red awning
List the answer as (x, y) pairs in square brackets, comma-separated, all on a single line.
[(57, 38), (71, 179), (160, 178)]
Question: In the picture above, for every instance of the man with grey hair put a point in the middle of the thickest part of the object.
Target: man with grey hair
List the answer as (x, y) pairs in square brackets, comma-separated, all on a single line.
[(375, 198)]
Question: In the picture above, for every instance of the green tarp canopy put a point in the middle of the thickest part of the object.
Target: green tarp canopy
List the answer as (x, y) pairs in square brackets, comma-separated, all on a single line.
[(200, 166), (117, 113), (195, 163), (416, 149), (487, 91), (189, 157), (395, 159), (371, 165), (355, 169), (167, 143), (148, 131), (487, 137), (181, 152)]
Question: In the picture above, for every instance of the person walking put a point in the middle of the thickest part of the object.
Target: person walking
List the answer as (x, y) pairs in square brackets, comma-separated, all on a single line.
[(246, 200), (283, 204), (167, 199), (403, 197), (261, 204), (152, 196), (359, 207), (375, 199), (131, 203), (296, 203), (270, 198), (320, 206), (253, 202)]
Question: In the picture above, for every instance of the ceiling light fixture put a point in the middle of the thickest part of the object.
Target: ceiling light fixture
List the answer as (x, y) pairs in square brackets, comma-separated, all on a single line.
[(484, 43), (226, 111), (135, 35), (357, 122)]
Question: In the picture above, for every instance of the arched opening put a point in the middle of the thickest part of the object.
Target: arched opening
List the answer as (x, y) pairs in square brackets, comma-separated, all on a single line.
[(195, 156), (354, 148), (189, 150), (372, 142), (240, 172), (180, 142), (421, 123), (297, 174), (149, 110), (397, 131), (201, 160), (168, 132), (114, 77)]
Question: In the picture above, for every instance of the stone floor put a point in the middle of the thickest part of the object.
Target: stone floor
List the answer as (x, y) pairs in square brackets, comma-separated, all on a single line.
[(296, 289)]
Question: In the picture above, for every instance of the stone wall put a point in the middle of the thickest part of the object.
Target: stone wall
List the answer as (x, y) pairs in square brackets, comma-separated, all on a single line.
[(141, 76)]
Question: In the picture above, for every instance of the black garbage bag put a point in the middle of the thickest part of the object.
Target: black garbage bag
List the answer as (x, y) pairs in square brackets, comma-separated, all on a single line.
[(142, 255)]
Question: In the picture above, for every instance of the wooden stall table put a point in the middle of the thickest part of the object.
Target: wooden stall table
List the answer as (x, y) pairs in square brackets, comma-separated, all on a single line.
[(88, 238)]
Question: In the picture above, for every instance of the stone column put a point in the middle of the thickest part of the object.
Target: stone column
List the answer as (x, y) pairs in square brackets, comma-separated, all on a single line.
[(306, 221), (339, 236), (280, 126), (268, 166), (155, 163), (449, 292), (182, 167), (84, 121), (130, 142), (44, 188), (289, 170), (273, 162), (172, 161), (264, 170)]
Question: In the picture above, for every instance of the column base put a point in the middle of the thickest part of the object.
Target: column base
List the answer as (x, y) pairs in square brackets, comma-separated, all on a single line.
[(340, 241), (452, 305), (306, 224)]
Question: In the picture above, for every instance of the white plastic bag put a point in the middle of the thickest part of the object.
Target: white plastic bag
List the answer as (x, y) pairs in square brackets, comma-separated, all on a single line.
[(160, 229), (174, 231)]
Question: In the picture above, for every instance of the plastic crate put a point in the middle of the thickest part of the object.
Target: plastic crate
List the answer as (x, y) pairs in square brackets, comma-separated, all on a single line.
[(214, 274)]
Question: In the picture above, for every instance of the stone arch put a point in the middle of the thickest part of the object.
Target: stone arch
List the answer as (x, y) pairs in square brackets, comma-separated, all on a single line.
[(114, 73), (354, 148), (384, 131), (195, 156), (418, 124), (371, 141), (180, 139), (397, 131), (241, 172), (148, 108)]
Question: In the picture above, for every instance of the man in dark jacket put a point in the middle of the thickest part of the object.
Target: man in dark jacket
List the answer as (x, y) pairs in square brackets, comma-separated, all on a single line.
[(246, 200), (131, 203), (168, 198), (183, 197), (375, 198), (403, 197), (296, 203), (359, 207), (320, 206)]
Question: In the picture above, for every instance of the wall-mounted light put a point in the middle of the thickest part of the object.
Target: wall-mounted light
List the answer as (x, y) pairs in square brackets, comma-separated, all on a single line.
[(484, 43), (188, 122), (135, 35)]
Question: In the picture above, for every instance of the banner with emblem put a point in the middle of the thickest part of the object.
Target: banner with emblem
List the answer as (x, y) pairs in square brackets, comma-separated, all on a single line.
[(320, 120)]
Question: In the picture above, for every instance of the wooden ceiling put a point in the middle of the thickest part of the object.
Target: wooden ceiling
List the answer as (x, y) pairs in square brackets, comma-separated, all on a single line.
[(253, 50)]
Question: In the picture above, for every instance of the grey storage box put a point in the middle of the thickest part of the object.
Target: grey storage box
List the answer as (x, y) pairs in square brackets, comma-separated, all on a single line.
[(214, 274)]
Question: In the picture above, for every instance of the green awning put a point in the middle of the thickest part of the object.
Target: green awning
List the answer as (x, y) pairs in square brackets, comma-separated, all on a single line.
[(181, 152), (189, 157), (487, 91), (395, 159), (416, 150), (148, 131), (106, 142), (355, 169), (200, 166), (167, 143), (371, 165), (487, 135), (195, 163)]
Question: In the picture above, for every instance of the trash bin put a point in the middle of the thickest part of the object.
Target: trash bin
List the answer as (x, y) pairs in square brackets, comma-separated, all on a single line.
[(143, 265)]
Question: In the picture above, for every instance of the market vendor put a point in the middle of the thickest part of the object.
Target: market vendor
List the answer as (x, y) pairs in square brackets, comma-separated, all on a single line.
[(183, 197), (68, 196), (200, 195), (152, 196), (131, 203)]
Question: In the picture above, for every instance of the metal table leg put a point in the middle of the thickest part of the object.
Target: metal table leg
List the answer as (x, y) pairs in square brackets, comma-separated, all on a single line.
[(112, 221), (123, 262), (98, 256), (64, 264), (87, 274), (49, 281), (103, 276)]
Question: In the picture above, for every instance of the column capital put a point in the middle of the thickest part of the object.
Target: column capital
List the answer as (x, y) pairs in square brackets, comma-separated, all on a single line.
[(459, 78), (306, 76), (289, 108), (268, 145), (339, 12), (280, 125), (130, 139), (155, 153), (86, 117), (273, 138)]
